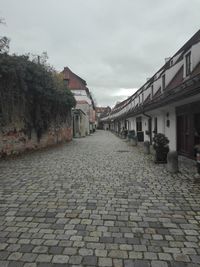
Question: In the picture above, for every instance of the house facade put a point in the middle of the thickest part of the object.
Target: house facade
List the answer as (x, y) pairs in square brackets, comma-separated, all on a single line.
[(84, 120), (80, 122), (168, 102), (101, 112)]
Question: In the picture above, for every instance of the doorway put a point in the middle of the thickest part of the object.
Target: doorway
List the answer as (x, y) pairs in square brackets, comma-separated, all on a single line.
[(183, 134)]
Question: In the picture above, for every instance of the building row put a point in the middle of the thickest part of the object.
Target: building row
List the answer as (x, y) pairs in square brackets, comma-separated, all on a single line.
[(86, 116), (168, 103)]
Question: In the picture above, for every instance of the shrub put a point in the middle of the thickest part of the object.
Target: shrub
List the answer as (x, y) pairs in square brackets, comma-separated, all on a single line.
[(160, 144), (160, 141), (32, 93)]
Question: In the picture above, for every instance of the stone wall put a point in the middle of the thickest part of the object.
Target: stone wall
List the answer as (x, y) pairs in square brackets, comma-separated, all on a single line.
[(35, 106), (16, 141)]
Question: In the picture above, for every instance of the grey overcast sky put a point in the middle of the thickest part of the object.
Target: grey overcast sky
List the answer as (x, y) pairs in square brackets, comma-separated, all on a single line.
[(113, 44)]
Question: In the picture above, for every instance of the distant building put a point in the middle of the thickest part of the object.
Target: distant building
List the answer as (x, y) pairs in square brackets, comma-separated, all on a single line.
[(84, 121), (168, 102), (101, 112)]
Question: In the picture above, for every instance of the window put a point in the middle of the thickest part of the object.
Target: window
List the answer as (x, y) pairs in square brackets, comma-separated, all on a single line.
[(188, 64), (139, 124), (163, 82), (152, 91), (66, 82)]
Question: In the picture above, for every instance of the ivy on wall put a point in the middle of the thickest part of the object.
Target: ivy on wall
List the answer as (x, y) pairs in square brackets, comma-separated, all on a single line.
[(33, 94)]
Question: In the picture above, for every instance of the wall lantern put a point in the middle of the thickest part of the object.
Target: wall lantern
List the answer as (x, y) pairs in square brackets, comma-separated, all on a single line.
[(167, 121)]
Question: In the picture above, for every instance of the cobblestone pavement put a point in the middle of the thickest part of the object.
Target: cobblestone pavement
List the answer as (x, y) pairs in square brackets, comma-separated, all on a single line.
[(97, 202)]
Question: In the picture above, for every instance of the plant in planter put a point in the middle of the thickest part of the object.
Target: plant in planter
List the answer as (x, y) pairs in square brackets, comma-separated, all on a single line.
[(134, 140), (131, 134), (160, 144)]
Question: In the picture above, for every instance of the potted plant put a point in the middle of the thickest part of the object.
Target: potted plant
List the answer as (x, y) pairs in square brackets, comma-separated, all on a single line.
[(160, 145), (134, 140), (131, 134)]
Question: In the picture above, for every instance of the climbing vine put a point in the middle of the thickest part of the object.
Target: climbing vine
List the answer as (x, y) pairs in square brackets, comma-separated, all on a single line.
[(31, 93)]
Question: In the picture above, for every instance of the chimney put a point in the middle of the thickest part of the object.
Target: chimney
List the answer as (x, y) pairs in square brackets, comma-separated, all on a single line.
[(167, 59)]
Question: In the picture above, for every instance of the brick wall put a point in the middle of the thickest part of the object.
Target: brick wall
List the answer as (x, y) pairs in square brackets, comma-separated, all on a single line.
[(15, 141)]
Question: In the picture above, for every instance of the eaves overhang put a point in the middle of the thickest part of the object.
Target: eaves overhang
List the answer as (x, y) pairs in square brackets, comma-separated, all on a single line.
[(187, 89)]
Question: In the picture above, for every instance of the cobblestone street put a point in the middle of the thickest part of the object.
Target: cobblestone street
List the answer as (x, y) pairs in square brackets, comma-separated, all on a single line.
[(97, 202)]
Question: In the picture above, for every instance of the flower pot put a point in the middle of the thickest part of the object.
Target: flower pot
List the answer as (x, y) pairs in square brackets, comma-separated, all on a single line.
[(133, 141), (161, 155)]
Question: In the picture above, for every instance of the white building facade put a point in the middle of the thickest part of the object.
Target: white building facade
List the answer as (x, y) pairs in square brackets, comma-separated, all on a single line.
[(84, 121), (168, 103)]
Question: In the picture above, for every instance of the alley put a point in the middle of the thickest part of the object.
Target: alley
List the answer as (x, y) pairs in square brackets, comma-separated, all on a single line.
[(97, 202)]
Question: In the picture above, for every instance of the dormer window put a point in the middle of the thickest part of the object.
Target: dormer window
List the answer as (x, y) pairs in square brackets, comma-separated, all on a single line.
[(163, 82), (188, 64), (152, 91)]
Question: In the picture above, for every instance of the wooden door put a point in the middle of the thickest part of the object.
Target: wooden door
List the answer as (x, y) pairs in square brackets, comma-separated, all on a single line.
[(183, 134)]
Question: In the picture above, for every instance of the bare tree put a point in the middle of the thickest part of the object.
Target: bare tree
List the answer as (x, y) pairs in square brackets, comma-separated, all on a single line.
[(4, 41)]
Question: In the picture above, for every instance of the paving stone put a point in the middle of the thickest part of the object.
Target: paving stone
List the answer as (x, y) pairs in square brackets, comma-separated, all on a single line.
[(3, 246), (51, 242), (181, 257), (139, 248), (15, 256), (159, 264), (118, 254), (141, 263), (191, 244), (4, 255), (90, 260), (70, 251), (117, 263), (195, 258), (165, 256), (188, 251), (60, 259), (101, 252), (95, 245), (85, 252), (78, 244), (30, 264), (16, 264), (125, 247), (106, 239), (191, 232), (150, 255), (171, 250), (129, 263), (26, 248), (44, 258), (55, 250), (105, 262), (14, 247), (75, 260), (29, 257), (40, 249), (135, 255), (178, 264)]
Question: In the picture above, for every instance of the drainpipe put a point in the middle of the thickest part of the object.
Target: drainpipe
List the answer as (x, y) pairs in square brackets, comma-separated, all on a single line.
[(150, 132)]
